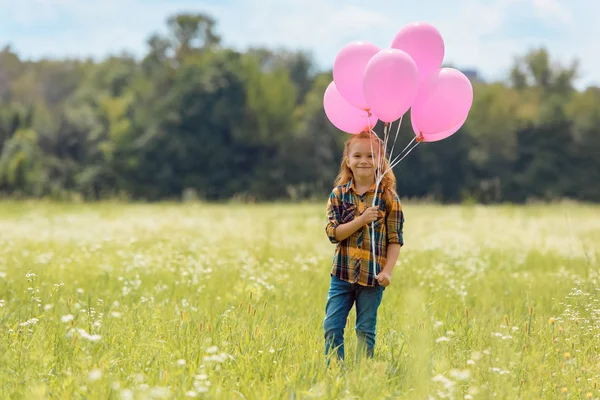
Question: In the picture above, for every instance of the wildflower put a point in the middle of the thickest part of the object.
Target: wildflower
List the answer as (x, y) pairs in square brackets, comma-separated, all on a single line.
[(126, 394), (442, 339), (95, 374), (31, 321), (460, 375), (67, 318), (87, 336)]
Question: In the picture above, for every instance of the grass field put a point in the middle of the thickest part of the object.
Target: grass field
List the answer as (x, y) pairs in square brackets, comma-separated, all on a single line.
[(115, 301)]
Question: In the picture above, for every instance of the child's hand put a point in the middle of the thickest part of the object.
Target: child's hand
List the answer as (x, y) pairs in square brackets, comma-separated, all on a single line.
[(383, 278), (370, 215)]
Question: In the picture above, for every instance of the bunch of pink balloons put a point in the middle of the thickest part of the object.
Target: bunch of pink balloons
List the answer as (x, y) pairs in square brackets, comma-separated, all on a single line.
[(371, 84)]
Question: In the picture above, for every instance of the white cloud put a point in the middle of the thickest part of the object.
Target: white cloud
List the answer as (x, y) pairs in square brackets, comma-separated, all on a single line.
[(553, 10)]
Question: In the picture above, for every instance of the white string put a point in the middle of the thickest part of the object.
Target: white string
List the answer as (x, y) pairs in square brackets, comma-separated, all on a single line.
[(403, 157), (402, 152), (396, 137), (378, 178)]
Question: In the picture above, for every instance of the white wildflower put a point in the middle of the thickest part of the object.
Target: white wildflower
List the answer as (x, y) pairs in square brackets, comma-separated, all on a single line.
[(67, 318), (31, 321), (126, 394), (460, 375), (95, 374)]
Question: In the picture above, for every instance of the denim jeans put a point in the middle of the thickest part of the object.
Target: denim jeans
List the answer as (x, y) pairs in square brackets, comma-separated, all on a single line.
[(342, 296)]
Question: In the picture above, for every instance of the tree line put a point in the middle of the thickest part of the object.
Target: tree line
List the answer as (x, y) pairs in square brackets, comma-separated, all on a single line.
[(193, 118)]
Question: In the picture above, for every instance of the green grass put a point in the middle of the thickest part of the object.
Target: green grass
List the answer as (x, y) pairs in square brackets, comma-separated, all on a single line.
[(115, 301)]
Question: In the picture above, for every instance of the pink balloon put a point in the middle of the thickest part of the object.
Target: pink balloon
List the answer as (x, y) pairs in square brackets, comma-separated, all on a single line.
[(434, 137), (442, 105), (348, 69), (390, 84), (424, 43), (343, 115)]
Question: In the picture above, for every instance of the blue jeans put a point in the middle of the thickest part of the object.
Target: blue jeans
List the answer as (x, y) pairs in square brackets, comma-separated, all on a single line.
[(342, 296)]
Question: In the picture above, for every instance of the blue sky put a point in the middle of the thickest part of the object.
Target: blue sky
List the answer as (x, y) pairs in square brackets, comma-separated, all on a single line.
[(481, 34)]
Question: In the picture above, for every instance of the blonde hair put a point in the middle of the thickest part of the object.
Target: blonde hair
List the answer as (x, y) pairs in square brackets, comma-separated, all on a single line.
[(388, 182)]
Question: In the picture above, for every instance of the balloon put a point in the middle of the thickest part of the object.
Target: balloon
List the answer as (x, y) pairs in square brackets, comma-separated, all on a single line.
[(424, 43), (343, 115), (390, 84), (434, 137), (442, 104), (348, 69)]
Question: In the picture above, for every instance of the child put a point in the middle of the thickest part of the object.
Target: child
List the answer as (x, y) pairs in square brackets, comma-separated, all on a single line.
[(350, 214)]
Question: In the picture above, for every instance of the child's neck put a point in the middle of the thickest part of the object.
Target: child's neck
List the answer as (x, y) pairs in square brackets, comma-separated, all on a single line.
[(362, 185)]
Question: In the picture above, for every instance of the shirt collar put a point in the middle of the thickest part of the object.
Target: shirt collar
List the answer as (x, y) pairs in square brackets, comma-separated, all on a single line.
[(350, 186)]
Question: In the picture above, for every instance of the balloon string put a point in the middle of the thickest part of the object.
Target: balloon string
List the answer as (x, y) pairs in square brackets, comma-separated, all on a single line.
[(396, 162), (402, 152), (396, 137)]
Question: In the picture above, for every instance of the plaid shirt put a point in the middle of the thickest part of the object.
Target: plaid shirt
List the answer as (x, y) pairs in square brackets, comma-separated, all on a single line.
[(352, 261)]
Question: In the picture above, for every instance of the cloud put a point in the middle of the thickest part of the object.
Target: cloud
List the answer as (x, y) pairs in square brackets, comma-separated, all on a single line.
[(553, 10)]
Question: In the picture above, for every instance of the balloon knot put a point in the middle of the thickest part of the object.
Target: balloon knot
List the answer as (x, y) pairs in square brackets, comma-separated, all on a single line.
[(420, 138)]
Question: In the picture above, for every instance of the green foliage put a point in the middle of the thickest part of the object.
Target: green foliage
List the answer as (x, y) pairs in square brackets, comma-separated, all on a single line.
[(194, 116)]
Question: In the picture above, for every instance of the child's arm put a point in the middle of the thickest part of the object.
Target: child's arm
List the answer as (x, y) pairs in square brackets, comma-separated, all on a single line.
[(393, 250), (395, 240), (346, 230), (338, 232)]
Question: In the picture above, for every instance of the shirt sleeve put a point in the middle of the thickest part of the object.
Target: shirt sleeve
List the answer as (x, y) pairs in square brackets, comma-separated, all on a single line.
[(333, 215), (395, 222)]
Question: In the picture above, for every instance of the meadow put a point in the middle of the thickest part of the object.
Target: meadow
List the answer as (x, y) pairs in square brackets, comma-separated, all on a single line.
[(161, 301)]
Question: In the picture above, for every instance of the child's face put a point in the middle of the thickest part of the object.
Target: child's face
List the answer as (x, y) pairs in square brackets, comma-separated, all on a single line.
[(362, 158)]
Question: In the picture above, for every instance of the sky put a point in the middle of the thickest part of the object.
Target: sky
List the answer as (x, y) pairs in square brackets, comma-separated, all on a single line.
[(485, 35)]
